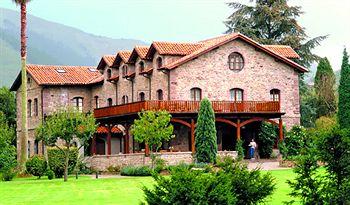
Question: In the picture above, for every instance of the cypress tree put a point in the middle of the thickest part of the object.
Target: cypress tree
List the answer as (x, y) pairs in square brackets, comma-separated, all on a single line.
[(324, 87), (344, 93), (205, 141)]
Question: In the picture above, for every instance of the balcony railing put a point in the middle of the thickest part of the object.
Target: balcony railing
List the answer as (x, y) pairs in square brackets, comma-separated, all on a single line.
[(188, 107)]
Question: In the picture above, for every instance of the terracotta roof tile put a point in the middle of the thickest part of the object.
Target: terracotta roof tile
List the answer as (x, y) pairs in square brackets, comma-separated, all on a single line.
[(125, 55), (283, 50), (142, 51), (146, 71), (114, 78), (115, 129), (102, 130), (64, 75), (109, 59)]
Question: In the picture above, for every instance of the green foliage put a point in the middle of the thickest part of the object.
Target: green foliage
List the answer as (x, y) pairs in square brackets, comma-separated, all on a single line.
[(56, 160), (273, 22), (325, 123), (186, 186), (324, 87), (205, 141), (293, 142), (344, 93), (152, 128), (114, 169), (308, 107), (50, 174), (266, 139), (136, 171), (239, 149), (36, 166), (8, 105), (67, 126)]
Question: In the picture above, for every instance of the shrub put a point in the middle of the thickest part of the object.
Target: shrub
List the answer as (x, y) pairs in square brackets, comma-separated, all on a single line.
[(8, 174), (324, 123), (114, 169), (136, 171), (239, 149), (159, 165), (8, 162), (293, 142), (50, 174), (56, 161), (36, 166), (266, 139)]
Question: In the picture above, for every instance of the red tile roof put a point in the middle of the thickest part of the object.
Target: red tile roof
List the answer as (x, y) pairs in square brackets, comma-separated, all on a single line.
[(138, 51), (115, 129), (173, 48), (147, 71), (122, 56), (109, 59), (114, 78), (102, 130), (283, 50)]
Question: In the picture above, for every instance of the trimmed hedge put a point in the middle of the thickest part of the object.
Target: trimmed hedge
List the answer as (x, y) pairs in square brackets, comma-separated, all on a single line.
[(36, 166), (136, 171), (56, 161)]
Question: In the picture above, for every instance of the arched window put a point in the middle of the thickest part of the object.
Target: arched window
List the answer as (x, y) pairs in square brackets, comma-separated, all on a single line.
[(28, 148), (29, 108), (159, 62), (235, 61), (78, 103), (36, 147), (109, 101), (125, 99), (97, 104), (275, 95), (36, 107), (142, 66), (142, 96), (160, 94), (196, 94), (236, 94), (109, 73), (125, 70)]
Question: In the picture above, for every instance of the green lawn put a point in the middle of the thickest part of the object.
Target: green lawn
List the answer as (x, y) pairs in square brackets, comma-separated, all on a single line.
[(102, 191)]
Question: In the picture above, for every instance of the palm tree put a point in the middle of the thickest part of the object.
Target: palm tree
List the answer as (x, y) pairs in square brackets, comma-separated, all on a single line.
[(24, 125)]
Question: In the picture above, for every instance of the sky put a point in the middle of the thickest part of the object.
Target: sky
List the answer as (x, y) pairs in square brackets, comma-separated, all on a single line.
[(186, 20)]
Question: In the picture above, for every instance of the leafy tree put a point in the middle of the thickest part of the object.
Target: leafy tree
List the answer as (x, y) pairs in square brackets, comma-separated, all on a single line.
[(273, 22), (266, 139), (308, 107), (206, 141), (344, 93), (324, 87), (8, 105), (24, 123), (293, 142), (63, 127)]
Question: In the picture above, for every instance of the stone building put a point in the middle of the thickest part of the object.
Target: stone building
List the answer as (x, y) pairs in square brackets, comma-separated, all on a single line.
[(247, 83)]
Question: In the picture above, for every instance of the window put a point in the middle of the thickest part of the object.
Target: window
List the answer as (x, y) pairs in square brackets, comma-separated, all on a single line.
[(28, 148), (36, 107), (36, 147), (196, 94), (109, 73), (159, 62), (142, 96), (125, 70), (160, 94), (110, 101), (236, 94), (235, 61), (124, 99), (142, 66), (275, 95), (97, 105), (28, 80), (29, 108), (60, 70), (78, 103)]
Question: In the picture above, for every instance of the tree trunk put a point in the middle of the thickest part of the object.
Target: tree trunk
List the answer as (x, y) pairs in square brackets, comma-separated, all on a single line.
[(24, 125), (66, 165)]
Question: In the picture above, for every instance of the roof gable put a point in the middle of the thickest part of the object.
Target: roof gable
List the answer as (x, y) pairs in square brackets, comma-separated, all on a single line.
[(138, 51), (172, 48), (106, 60), (122, 56)]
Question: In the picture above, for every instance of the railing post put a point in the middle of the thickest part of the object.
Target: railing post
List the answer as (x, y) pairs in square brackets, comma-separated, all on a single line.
[(193, 148)]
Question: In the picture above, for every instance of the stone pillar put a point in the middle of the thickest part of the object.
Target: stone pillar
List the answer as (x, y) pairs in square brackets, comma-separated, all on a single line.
[(193, 148), (109, 146)]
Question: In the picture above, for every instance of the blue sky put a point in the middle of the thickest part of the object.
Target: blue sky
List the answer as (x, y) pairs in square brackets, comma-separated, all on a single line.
[(185, 20)]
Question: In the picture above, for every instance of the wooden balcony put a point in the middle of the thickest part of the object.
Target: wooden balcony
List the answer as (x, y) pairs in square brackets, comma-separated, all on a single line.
[(188, 107)]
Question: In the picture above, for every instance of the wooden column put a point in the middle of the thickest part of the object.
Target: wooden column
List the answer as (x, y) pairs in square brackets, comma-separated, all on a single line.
[(126, 139), (238, 129), (146, 150), (109, 146), (93, 146), (193, 147), (280, 126)]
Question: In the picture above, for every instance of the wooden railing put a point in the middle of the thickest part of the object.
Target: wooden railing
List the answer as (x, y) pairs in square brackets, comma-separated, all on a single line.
[(188, 107)]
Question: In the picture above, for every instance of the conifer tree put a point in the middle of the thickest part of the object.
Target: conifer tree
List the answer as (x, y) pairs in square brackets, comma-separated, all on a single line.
[(324, 87), (205, 141), (344, 93)]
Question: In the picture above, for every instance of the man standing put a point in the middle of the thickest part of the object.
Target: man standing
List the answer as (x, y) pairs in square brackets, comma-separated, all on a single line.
[(252, 147)]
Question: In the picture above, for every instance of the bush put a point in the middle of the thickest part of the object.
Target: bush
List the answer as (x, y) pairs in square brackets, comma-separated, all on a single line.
[(136, 171), (50, 174), (113, 169), (8, 162), (159, 165), (8, 174), (293, 142), (239, 149), (266, 139), (56, 161), (36, 166)]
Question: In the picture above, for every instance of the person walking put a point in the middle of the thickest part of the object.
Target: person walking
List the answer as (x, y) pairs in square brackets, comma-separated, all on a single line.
[(252, 147)]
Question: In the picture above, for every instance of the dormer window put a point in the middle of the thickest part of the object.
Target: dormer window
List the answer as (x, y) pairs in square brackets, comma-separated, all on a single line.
[(159, 62), (109, 73), (235, 61), (142, 66), (125, 70), (60, 70)]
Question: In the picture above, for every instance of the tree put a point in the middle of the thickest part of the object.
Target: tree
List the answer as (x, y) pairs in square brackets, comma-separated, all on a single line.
[(324, 87), (266, 139), (205, 141), (152, 128), (24, 124), (63, 128), (308, 107), (344, 93), (8, 105)]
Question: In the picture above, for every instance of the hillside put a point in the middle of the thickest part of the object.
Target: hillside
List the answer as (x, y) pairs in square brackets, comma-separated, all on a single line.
[(51, 43)]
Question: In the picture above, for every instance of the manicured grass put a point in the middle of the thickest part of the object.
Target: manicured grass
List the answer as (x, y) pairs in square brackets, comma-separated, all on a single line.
[(86, 190)]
